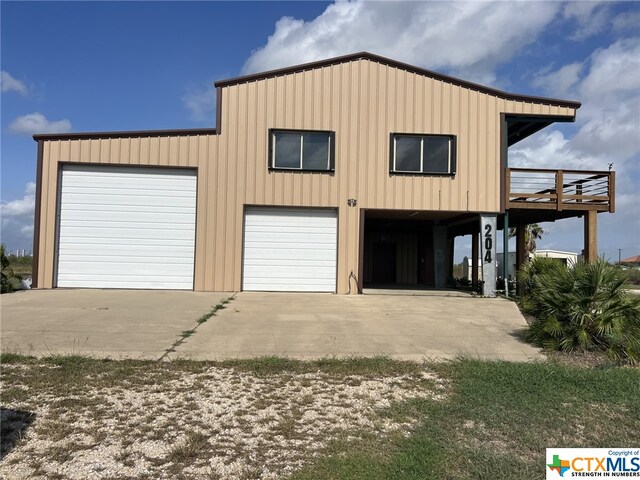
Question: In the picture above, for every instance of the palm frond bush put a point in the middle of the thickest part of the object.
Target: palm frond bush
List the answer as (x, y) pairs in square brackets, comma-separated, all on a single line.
[(582, 307)]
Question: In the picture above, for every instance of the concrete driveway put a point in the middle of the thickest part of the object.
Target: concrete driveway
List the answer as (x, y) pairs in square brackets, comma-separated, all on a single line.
[(143, 324), (104, 323)]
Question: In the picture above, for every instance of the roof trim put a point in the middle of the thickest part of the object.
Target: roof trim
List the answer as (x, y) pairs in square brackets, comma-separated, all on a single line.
[(404, 66), (125, 134)]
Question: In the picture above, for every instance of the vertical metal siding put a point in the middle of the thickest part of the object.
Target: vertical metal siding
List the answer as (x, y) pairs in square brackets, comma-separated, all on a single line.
[(363, 102)]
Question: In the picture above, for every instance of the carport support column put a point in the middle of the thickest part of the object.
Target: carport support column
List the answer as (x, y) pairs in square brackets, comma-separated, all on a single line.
[(451, 246), (521, 254), (440, 255), (591, 236), (475, 255), (488, 223)]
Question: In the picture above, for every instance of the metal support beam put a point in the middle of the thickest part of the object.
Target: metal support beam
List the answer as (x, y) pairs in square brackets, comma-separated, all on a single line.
[(505, 254), (475, 254), (521, 253), (451, 242)]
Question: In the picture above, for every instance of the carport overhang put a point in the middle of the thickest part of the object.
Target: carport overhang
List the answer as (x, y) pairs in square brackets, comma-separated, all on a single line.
[(517, 127), (439, 226), (467, 223)]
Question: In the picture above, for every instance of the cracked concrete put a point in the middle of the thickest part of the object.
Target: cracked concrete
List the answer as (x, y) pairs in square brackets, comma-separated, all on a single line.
[(143, 324)]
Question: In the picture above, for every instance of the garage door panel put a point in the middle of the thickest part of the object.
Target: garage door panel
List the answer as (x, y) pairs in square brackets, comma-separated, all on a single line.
[(123, 227), (178, 232), (89, 200), (124, 268), (132, 216), (150, 244), (313, 272), (290, 249), (322, 248), (286, 222), (257, 252), (116, 282), (136, 174), (270, 286), (299, 256), (318, 238), (291, 229), (110, 208), (125, 259), (134, 193), (152, 183)]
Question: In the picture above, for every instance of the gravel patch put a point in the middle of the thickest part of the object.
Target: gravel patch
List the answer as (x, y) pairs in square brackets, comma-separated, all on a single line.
[(216, 423)]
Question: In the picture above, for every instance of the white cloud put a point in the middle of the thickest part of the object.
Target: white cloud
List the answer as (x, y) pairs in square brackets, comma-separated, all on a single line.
[(468, 39), (37, 123), (626, 21), (17, 219), (22, 206), (9, 84), (200, 102), (561, 80), (609, 120), (614, 72), (592, 18)]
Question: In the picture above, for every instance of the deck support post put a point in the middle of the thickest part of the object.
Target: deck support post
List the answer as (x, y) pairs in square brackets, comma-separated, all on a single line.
[(521, 253), (505, 254), (590, 236)]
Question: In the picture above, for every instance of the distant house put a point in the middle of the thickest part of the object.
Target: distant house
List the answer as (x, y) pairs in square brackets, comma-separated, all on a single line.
[(630, 261), (567, 258), (356, 170)]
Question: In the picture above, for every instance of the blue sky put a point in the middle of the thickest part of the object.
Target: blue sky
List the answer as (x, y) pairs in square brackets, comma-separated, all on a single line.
[(94, 66)]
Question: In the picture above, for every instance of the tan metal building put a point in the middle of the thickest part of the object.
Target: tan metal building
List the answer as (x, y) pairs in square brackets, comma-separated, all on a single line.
[(328, 176)]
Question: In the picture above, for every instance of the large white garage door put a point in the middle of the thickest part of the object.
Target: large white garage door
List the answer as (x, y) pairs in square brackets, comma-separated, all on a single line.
[(126, 227), (290, 250)]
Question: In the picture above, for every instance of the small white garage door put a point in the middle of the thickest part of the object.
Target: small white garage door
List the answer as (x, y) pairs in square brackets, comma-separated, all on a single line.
[(126, 227), (290, 249)]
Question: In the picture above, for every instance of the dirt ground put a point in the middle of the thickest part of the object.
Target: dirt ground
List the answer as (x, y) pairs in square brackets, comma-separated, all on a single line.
[(213, 422)]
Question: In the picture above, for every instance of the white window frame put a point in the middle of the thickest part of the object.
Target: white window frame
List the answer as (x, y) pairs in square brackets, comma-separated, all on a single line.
[(301, 133)]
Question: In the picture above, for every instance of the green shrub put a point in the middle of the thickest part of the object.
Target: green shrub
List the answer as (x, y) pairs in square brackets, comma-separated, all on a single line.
[(582, 307), (633, 276), (529, 278), (6, 273)]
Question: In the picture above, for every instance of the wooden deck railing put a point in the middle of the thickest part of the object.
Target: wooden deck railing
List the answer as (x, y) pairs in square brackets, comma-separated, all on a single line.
[(560, 189)]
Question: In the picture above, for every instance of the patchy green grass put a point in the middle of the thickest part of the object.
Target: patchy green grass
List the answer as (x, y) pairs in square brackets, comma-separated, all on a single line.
[(496, 423), (484, 420), (365, 366), (189, 448)]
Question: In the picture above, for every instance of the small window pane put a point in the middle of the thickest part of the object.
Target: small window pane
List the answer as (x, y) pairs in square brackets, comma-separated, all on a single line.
[(436, 154), (315, 151), (287, 150), (407, 154)]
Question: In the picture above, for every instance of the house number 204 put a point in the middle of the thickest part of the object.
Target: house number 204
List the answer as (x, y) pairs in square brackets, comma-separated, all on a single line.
[(488, 243)]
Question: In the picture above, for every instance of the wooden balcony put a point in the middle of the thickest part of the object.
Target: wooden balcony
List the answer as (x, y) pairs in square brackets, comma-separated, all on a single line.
[(560, 190)]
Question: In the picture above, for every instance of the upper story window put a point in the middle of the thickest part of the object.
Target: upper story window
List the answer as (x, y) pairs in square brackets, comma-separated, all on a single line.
[(308, 150), (423, 154)]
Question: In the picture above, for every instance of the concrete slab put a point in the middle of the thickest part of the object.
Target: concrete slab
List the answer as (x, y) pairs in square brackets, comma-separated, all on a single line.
[(103, 323), (411, 327), (426, 292)]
